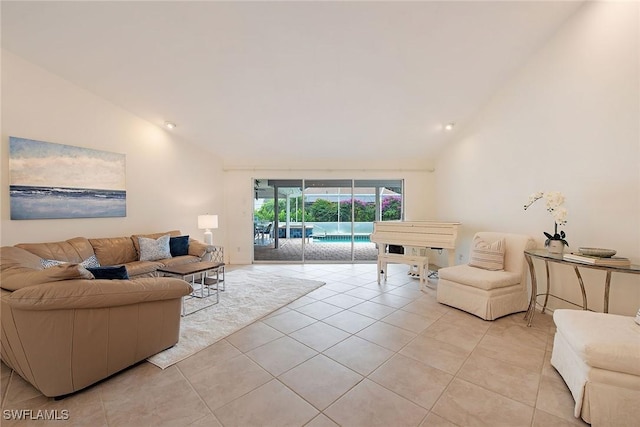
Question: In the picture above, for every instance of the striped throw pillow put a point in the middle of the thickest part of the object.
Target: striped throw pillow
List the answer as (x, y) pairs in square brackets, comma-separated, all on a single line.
[(489, 256)]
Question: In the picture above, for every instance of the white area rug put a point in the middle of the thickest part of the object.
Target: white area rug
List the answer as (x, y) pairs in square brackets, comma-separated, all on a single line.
[(248, 297)]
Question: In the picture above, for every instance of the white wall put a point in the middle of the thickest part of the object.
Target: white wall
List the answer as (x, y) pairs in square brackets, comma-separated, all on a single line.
[(169, 182), (419, 195), (568, 121)]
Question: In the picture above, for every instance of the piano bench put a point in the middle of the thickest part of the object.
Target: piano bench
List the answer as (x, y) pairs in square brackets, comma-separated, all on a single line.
[(421, 261)]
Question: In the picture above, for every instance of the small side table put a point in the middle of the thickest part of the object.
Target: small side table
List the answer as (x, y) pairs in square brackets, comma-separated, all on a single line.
[(202, 269)]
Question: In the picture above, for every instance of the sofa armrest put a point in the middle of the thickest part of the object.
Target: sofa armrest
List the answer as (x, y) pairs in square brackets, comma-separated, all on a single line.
[(84, 294), (198, 248)]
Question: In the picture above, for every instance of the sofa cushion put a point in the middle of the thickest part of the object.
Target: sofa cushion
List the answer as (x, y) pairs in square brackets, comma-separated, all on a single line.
[(489, 256), (143, 268), (605, 341), (110, 273), (12, 257), (179, 246), (154, 249), (22, 277), (72, 250), (479, 277), (178, 260), (114, 250)]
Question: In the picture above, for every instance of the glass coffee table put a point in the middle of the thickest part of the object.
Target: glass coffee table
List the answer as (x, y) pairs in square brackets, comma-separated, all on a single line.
[(201, 275)]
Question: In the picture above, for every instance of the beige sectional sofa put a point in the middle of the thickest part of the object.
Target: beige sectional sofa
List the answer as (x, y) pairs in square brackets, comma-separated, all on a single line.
[(63, 330)]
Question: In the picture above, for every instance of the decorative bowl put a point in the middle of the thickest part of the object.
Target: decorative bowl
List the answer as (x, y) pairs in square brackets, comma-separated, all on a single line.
[(599, 252)]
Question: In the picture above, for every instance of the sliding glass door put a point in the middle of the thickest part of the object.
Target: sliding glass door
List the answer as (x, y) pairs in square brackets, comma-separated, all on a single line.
[(328, 203), (277, 220), (321, 220)]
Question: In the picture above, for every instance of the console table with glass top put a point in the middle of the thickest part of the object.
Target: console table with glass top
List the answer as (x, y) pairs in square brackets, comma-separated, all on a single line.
[(558, 258)]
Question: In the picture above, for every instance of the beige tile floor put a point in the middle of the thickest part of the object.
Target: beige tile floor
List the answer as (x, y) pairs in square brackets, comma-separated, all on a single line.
[(350, 353)]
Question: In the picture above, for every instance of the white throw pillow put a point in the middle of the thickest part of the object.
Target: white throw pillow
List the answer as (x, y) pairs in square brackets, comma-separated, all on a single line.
[(154, 249), (488, 256)]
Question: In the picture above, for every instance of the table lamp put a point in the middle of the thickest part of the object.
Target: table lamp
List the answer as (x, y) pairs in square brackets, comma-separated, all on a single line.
[(208, 222)]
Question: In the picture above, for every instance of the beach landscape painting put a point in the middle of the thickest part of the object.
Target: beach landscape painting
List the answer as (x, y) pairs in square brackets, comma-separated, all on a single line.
[(53, 181)]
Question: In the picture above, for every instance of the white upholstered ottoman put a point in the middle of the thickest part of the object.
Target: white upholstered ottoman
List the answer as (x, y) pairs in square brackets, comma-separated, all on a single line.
[(598, 356)]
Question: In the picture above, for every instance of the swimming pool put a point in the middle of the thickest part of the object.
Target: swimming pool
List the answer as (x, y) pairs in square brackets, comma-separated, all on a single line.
[(341, 238)]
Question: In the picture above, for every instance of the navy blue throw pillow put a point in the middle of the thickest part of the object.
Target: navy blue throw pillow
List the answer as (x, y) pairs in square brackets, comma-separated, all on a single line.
[(179, 246), (110, 273)]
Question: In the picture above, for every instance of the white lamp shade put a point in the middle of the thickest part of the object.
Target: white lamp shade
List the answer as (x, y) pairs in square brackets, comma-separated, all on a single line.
[(207, 221)]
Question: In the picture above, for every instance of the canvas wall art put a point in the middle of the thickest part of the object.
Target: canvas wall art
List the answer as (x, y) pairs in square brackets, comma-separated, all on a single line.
[(51, 181)]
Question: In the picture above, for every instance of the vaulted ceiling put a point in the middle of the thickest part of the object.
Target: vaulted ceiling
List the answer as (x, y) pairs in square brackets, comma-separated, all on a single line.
[(290, 81)]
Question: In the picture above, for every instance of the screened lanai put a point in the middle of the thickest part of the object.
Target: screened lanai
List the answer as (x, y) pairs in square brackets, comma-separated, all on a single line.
[(321, 220)]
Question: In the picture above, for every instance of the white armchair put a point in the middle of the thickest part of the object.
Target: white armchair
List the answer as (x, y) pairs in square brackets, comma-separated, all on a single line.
[(598, 357), (494, 283)]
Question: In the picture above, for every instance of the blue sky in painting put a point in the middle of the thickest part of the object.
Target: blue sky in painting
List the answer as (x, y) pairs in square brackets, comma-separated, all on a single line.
[(38, 163)]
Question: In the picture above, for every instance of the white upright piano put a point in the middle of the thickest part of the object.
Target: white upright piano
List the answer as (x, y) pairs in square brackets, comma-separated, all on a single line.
[(414, 234)]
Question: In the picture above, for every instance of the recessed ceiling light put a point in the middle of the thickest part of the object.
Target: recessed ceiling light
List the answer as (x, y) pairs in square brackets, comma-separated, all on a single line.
[(449, 126), (170, 125)]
